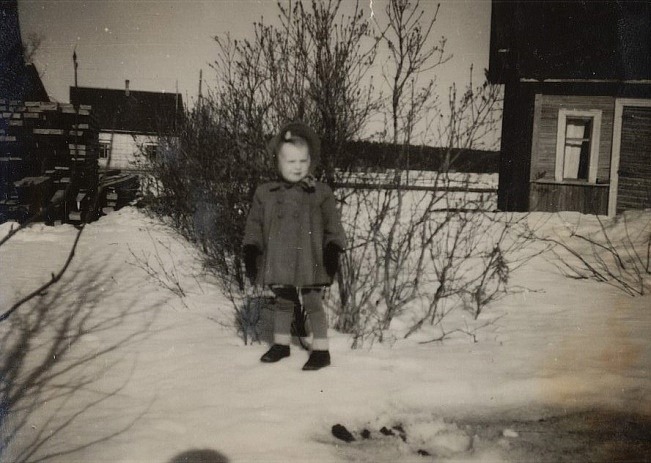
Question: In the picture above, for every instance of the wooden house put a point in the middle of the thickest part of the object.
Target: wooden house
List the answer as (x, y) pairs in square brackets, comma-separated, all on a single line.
[(134, 125), (576, 130)]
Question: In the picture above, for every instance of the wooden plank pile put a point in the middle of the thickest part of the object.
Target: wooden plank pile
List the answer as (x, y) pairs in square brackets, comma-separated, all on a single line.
[(117, 189), (48, 160)]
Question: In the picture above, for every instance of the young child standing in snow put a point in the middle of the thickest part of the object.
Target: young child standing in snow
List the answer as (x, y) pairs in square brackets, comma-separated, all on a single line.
[(293, 239)]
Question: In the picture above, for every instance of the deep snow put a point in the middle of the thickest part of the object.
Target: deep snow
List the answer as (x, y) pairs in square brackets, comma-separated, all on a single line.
[(110, 365)]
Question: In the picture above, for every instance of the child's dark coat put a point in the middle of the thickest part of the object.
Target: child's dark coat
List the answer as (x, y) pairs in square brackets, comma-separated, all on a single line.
[(291, 224)]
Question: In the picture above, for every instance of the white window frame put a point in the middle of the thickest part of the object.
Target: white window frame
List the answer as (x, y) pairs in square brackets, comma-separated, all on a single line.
[(108, 145), (595, 137), (151, 145)]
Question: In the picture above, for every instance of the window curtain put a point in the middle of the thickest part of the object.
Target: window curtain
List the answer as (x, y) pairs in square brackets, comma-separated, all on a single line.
[(574, 133)]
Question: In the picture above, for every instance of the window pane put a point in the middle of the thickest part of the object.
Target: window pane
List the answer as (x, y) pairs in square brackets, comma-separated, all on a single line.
[(104, 150), (151, 151), (578, 135)]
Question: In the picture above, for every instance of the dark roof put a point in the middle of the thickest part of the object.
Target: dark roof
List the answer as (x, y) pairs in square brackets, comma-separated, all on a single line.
[(570, 39), (132, 111), (18, 81)]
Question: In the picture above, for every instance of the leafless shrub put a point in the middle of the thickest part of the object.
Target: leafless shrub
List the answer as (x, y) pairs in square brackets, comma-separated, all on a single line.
[(315, 66), (448, 260), (160, 269), (311, 67), (471, 266), (423, 255), (609, 253), (249, 315)]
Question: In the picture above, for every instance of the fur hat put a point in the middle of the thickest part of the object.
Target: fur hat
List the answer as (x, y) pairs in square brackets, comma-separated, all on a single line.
[(298, 130)]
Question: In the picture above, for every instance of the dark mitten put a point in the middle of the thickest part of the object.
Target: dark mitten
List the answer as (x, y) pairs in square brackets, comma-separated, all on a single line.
[(251, 254), (331, 258)]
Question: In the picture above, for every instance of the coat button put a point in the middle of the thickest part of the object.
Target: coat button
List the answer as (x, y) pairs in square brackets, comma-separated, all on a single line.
[(295, 214)]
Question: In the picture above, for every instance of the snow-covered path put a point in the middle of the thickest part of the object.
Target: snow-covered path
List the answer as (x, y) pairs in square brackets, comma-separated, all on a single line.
[(117, 368)]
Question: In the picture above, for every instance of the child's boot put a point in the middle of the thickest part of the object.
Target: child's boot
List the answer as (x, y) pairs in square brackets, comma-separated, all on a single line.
[(318, 359), (282, 338), (277, 352)]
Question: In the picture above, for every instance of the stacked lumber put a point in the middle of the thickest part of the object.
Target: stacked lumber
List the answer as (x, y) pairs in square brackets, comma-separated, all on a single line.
[(118, 189), (48, 160)]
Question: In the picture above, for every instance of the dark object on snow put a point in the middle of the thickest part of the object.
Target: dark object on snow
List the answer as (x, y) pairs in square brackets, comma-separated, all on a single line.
[(390, 432), (401, 432), (366, 434), (318, 359), (424, 453), (277, 352), (331, 258), (341, 433)]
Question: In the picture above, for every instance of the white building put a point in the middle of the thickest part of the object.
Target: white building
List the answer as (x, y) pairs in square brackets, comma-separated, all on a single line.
[(133, 125)]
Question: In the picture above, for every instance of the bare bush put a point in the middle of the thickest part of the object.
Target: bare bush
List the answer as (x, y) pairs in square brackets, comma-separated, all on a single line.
[(311, 67), (162, 271), (249, 315), (422, 255), (447, 260), (315, 65), (610, 252)]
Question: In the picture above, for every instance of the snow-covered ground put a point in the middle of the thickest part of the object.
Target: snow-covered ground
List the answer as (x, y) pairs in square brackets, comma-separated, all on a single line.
[(112, 365)]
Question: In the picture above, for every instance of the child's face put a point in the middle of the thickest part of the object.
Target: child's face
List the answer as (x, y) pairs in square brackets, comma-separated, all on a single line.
[(293, 162)]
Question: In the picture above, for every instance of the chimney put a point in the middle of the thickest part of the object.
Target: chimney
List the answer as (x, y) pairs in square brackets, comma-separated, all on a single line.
[(126, 87)]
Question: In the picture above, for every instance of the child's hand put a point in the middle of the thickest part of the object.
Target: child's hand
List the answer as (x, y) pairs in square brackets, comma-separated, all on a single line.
[(331, 258), (251, 254)]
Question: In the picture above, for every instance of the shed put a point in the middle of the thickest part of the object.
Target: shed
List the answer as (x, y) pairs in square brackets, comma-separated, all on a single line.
[(576, 131), (133, 125)]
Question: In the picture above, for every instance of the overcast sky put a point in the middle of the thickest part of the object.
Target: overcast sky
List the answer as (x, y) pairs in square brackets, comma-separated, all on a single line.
[(157, 43)]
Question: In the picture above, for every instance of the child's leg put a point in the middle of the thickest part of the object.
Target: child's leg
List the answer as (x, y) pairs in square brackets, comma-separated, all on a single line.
[(312, 302), (286, 298)]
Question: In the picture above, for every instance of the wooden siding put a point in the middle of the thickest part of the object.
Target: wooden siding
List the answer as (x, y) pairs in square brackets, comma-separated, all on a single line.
[(582, 197), (543, 152), (124, 150), (634, 189)]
